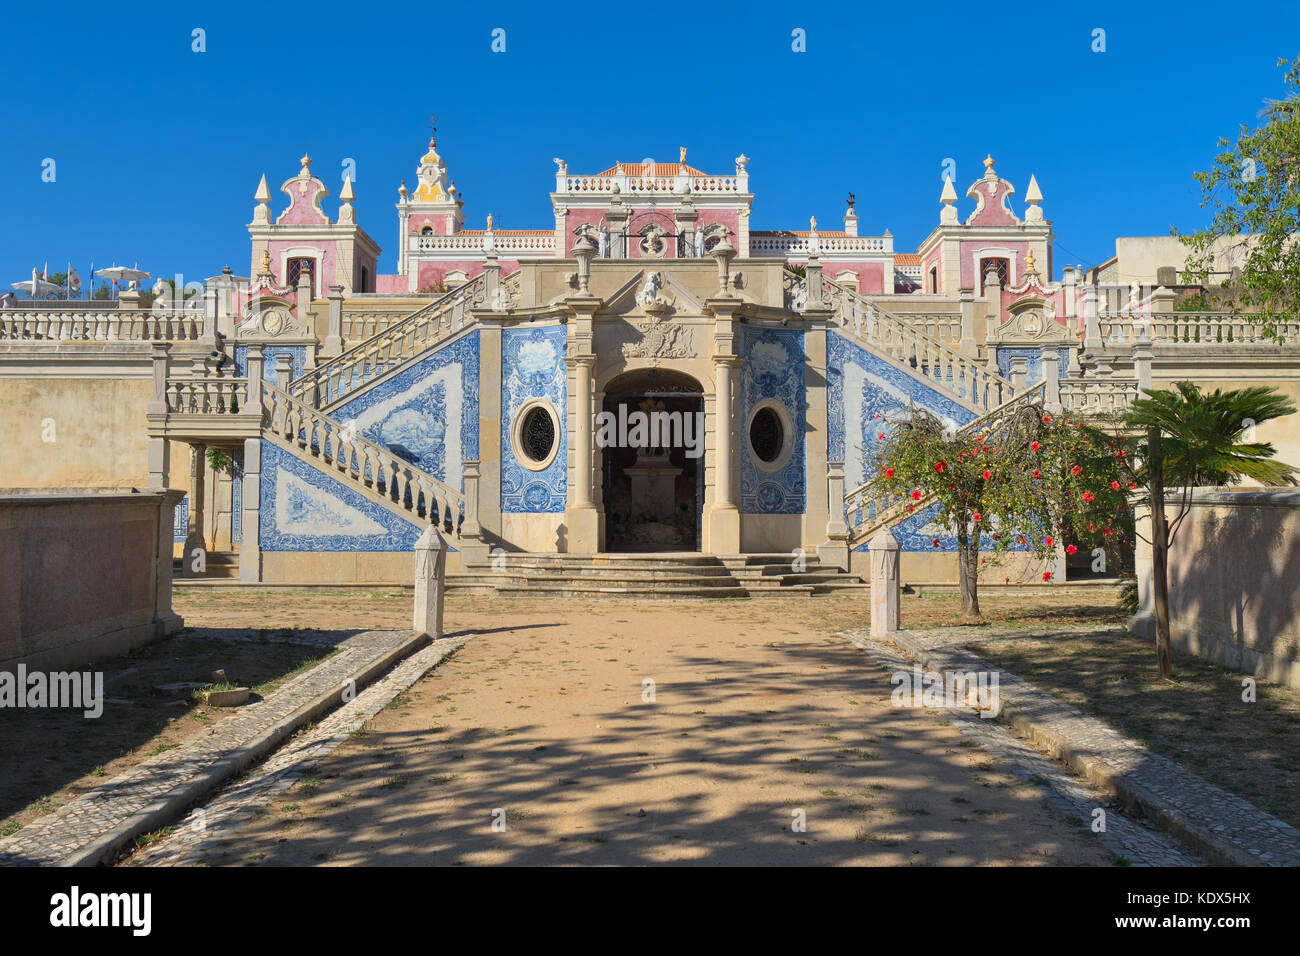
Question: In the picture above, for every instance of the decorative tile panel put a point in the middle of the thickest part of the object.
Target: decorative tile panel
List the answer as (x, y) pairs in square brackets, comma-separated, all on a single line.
[(772, 368), (532, 367)]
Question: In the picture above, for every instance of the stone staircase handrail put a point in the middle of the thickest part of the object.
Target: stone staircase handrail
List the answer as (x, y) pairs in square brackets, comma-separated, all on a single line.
[(332, 380)]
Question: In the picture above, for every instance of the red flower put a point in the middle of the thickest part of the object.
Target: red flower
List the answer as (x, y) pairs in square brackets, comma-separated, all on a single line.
[(1047, 419), (1037, 473), (1047, 575), (916, 496), (936, 542), (911, 507), (987, 474), (1119, 454), (1114, 486), (1132, 485), (889, 473), (1050, 541), (940, 466), (976, 516), (1076, 470), (1088, 496), (880, 437), (1033, 446), (1071, 549)]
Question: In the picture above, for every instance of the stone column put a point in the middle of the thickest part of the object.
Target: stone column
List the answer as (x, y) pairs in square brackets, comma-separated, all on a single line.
[(835, 552), (304, 298), (1071, 298), (1142, 366), (581, 514), (1051, 360), (334, 336), (724, 518), (968, 346), (159, 453), (283, 371), (886, 583), (194, 539), (430, 581), (254, 362), (208, 335), (1091, 322), (1019, 374), (250, 549), (165, 620)]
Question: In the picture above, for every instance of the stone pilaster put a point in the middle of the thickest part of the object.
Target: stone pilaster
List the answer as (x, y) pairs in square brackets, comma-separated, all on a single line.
[(250, 549)]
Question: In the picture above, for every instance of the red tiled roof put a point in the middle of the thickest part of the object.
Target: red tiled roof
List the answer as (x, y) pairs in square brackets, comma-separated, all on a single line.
[(907, 258), (659, 169)]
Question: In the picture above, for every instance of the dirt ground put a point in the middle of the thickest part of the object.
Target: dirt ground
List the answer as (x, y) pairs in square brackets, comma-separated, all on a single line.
[(50, 756), (544, 724)]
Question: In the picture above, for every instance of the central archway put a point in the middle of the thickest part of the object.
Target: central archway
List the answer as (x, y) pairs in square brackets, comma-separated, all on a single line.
[(651, 442)]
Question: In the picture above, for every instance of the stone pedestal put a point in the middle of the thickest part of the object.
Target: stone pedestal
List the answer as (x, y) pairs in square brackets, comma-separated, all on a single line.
[(886, 583), (430, 582)]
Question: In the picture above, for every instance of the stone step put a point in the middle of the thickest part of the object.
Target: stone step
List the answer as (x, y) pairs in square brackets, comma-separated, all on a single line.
[(217, 565), (598, 592)]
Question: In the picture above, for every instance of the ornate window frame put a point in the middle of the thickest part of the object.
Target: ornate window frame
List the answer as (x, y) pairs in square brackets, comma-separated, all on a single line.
[(788, 438), (517, 427)]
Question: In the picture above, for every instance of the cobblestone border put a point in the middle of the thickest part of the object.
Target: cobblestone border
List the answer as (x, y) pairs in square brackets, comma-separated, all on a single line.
[(96, 826), (239, 802), (1217, 824)]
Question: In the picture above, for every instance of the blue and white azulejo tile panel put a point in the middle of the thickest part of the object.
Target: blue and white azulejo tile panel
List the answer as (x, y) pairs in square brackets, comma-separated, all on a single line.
[(773, 369), (532, 367)]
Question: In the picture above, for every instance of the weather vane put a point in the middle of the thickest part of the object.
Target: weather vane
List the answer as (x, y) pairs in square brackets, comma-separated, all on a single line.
[(433, 124)]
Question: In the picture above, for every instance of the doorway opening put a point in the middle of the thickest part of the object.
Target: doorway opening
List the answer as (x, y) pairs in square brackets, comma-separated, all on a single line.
[(653, 477)]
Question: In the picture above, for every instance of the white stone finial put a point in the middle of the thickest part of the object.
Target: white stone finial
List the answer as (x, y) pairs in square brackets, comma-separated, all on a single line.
[(346, 194), (263, 193), (949, 195), (1034, 212)]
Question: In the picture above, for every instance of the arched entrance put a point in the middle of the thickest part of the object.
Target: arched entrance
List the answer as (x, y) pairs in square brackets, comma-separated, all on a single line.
[(651, 441)]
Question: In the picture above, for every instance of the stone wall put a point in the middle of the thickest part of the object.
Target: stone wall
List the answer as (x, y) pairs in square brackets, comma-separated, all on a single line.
[(87, 574), (1233, 573)]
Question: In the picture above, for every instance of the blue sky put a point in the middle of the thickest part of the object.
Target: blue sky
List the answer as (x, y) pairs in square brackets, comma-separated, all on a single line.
[(158, 149)]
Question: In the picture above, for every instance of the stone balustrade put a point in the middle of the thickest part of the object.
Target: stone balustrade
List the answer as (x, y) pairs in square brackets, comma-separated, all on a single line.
[(73, 324), (908, 344), (206, 395), (1097, 396), (1192, 328), (343, 450), (790, 244), (628, 183), (387, 349), (538, 243)]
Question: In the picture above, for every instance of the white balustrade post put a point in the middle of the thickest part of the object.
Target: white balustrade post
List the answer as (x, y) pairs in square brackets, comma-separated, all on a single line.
[(968, 346), (1019, 373), (1051, 360), (1091, 322), (283, 371), (835, 552), (886, 583), (1162, 301), (334, 335), (254, 362), (1142, 366), (208, 334), (430, 582)]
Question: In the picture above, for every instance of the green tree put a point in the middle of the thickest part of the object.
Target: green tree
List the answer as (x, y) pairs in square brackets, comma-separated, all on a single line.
[(1027, 482), (1181, 438), (1254, 192)]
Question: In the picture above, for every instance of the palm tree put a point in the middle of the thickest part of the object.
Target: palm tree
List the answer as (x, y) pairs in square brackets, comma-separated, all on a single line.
[(1194, 438)]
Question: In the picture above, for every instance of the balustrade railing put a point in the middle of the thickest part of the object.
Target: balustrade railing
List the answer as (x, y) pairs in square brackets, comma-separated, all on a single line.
[(341, 449), (388, 348), (206, 395), (99, 325), (910, 345), (1097, 396), (1193, 328)]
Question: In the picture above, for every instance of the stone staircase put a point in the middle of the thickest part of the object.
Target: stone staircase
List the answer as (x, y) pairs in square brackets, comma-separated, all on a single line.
[(220, 566), (648, 576)]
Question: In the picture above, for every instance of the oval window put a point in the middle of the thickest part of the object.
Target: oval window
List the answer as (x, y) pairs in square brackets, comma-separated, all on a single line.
[(766, 435), (537, 434)]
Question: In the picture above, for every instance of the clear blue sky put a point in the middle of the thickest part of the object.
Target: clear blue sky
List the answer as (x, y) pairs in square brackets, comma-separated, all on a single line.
[(159, 149)]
